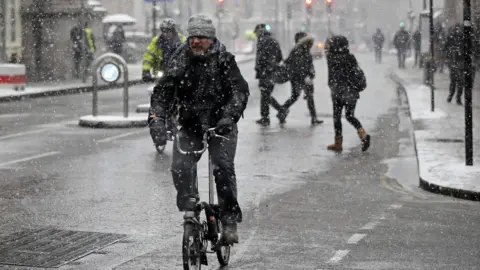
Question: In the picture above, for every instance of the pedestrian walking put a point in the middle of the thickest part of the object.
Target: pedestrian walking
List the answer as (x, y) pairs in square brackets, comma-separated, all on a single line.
[(301, 73), (345, 79), (378, 40), (269, 55), (401, 41), (76, 37), (417, 41)]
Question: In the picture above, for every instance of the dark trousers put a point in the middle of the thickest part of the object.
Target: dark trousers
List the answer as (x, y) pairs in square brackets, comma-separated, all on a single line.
[(77, 60), (297, 89), (378, 55), (266, 88), (456, 83), (184, 172), (417, 58), (338, 105), (401, 55)]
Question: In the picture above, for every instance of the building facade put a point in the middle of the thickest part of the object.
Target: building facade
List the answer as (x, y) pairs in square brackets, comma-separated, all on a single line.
[(46, 25), (454, 11), (10, 27)]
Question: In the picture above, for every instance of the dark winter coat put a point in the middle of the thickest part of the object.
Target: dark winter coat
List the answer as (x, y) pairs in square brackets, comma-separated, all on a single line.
[(300, 61), (269, 55), (401, 41), (76, 36), (417, 40), (378, 40), (204, 88), (341, 68)]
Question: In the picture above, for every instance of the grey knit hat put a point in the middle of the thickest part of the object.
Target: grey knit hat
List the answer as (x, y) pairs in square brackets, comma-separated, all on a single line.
[(202, 26)]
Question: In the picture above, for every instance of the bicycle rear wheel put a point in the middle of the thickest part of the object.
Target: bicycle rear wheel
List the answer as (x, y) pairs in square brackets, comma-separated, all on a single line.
[(223, 252), (191, 246)]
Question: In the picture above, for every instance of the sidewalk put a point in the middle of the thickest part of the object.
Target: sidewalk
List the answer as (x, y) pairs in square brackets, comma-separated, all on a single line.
[(76, 86), (440, 136)]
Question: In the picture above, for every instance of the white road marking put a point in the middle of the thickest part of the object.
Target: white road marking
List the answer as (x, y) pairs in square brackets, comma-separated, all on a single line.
[(339, 255), (109, 139), (370, 225), (13, 115), (356, 238), (22, 133), (395, 206), (29, 158)]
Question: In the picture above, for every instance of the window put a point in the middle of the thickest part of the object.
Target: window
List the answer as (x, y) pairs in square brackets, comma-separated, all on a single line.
[(13, 21)]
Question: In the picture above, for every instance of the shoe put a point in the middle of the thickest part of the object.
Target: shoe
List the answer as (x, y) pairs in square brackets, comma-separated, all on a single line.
[(337, 146), (229, 235), (365, 139), (315, 122), (459, 102), (282, 116), (263, 121), (449, 99)]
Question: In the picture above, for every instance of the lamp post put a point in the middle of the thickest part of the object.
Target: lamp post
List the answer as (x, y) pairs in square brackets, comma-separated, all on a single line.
[(431, 65), (3, 9), (467, 34)]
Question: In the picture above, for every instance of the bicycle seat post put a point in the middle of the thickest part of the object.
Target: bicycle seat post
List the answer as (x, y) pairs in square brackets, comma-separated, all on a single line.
[(211, 186)]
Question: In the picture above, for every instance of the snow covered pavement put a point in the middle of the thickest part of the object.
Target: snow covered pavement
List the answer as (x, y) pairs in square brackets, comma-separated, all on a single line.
[(440, 138)]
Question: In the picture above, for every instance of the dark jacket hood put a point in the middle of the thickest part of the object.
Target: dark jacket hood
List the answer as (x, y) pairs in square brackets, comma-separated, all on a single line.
[(306, 42)]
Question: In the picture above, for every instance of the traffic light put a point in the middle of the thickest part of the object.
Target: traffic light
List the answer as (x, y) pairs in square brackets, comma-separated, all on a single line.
[(220, 8), (329, 4), (220, 5), (308, 6)]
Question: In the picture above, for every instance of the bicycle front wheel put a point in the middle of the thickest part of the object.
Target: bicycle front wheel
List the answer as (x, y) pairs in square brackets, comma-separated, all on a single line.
[(191, 247)]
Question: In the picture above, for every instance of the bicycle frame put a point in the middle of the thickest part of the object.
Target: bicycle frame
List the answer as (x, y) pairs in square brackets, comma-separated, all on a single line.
[(207, 230), (206, 136)]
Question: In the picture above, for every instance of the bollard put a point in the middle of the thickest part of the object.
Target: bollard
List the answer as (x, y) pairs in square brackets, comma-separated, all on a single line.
[(110, 71)]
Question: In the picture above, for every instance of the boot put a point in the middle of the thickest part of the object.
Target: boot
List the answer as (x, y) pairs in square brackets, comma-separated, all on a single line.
[(315, 122), (229, 236), (265, 121), (282, 115), (459, 101), (337, 146), (365, 138)]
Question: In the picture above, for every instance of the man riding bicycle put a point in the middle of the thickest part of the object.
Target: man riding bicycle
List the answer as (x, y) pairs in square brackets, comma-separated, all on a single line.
[(203, 79), (161, 49)]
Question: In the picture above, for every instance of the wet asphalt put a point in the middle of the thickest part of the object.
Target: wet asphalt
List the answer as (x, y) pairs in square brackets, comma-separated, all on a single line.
[(304, 207)]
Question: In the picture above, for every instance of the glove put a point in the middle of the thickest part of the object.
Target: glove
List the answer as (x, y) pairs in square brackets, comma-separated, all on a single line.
[(225, 126), (308, 81), (147, 76), (158, 131)]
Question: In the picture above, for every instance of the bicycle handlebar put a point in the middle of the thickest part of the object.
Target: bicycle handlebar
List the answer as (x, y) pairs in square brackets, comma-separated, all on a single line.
[(211, 132)]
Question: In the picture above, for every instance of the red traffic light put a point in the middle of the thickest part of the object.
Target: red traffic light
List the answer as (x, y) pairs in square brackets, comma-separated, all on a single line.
[(308, 2), (329, 1), (220, 1)]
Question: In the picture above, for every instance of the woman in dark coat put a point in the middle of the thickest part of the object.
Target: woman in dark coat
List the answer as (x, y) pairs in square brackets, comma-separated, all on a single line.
[(342, 66), (302, 72)]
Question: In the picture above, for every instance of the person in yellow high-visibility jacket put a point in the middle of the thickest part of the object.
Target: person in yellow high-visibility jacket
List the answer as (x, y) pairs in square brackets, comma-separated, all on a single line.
[(90, 47), (160, 49)]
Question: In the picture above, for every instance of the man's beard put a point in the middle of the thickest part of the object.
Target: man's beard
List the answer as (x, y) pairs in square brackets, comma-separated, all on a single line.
[(198, 51)]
